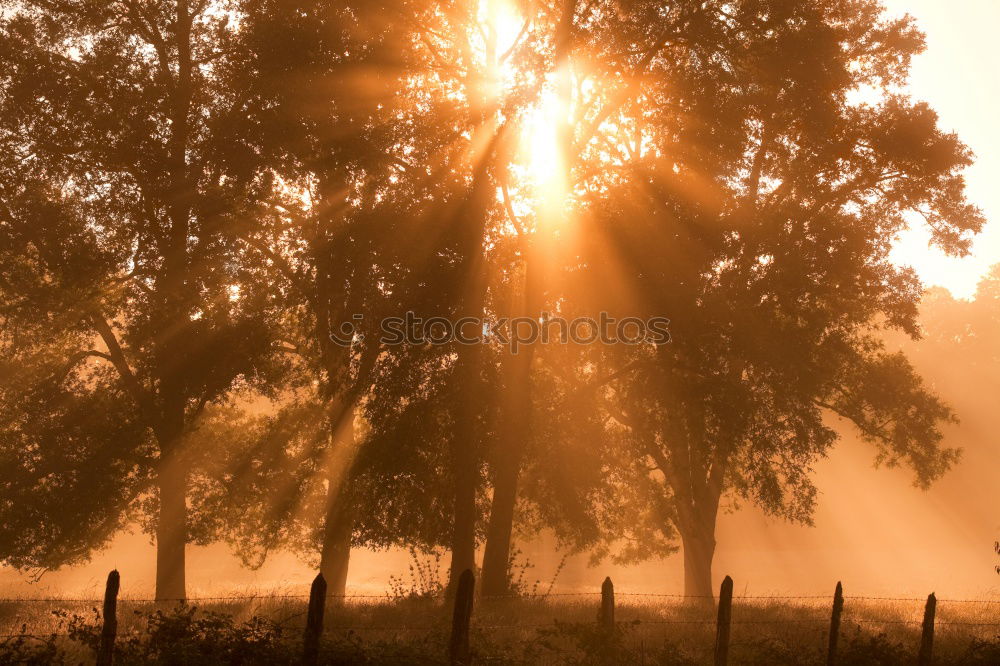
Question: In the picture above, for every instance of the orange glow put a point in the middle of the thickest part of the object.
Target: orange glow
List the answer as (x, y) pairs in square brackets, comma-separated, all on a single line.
[(487, 98), (543, 160), (539, 174)]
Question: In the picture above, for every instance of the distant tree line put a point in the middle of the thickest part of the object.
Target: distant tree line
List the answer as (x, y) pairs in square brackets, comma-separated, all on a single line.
[(196, 194)]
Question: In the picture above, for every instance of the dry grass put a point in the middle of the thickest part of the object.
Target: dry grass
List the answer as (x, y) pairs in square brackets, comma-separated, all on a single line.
[(555, 630)]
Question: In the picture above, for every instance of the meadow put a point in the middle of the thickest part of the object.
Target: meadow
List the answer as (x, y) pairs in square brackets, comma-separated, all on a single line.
[(544, 629)]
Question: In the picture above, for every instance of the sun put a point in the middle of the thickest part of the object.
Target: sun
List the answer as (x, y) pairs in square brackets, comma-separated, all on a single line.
[(506, 22), (539, 163), (540, 144)]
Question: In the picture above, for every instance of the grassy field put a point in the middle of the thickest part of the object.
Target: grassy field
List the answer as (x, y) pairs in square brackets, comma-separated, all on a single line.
[(553, 630)]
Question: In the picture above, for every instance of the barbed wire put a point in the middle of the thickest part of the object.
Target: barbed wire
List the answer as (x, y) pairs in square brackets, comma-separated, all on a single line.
[(248, 597), (555, 624), (350, 628), (389, 597), (541, 595)]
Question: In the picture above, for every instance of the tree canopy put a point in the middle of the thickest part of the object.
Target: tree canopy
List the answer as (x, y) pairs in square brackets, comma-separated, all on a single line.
[(210, 208)]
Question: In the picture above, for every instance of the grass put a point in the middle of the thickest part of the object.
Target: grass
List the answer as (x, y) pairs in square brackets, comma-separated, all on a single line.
[(554, 630)]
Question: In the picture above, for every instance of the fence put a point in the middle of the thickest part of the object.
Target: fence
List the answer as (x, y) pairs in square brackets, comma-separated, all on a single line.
[(460, 644)]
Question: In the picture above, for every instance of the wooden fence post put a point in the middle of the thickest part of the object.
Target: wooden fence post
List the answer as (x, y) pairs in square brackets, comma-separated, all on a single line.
[(459, 652), (606, 617), (725, 619), (608, 654), (838, 607), (927, 636), (314, 621), (106, 650)]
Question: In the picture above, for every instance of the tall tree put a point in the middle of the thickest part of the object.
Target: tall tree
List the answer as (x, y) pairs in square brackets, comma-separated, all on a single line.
[(759, 218), (331, 82), (455, 218), (386, 209), (125, 123), (539, 51)]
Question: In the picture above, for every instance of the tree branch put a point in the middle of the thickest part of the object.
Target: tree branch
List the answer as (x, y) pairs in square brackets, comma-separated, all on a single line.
[(117, 358), (146, 27), (515, 222), (59, 377)]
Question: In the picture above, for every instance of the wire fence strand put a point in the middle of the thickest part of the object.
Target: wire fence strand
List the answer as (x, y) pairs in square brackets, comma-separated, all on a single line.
[(390, 597)]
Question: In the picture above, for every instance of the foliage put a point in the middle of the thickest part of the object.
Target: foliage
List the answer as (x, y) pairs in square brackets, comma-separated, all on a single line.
[(521, 585), (595, 644), (186, 635), (25, 650), (197, 196), (767, 240), (873, 649), (126, 172), (983, 651)]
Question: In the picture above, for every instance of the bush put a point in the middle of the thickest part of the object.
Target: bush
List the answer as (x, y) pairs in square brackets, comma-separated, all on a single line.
[(863, 649), (983, 652), (27, 650), (183, 636)]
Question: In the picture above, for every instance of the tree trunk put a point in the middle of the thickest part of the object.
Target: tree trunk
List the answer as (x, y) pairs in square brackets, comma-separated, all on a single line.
[(172, 341), (171, 530), (465, 468), (470, 220), (696, 473), (507, 471), (496, 558), (698, 543), (335, 555), (338, 527), (465, 459)]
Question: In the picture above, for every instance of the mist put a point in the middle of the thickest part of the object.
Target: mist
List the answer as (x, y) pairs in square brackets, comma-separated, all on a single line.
[(873, 529)]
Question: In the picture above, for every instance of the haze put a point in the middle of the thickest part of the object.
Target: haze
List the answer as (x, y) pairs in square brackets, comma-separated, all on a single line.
[(873, 530)]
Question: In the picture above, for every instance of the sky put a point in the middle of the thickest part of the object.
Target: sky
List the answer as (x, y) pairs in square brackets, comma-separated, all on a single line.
[(957, 75)]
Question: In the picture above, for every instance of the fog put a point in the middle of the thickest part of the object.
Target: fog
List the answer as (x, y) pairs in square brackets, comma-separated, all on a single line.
[(873, 530)]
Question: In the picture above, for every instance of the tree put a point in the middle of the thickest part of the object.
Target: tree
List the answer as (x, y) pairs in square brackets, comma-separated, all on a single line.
[(127, 167), (449, 199), (759, 219), (328, 106), (384, 211), (541, 50)]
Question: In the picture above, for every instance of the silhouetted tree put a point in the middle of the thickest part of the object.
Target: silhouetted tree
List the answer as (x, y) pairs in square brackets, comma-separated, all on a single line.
[(757, 212), (377, 219), (330, 79), (127, 169)]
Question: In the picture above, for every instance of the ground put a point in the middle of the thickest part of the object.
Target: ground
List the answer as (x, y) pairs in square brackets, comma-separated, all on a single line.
[(547, 630)]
